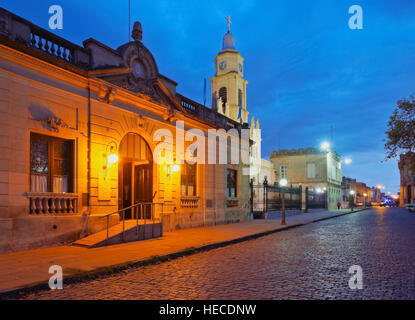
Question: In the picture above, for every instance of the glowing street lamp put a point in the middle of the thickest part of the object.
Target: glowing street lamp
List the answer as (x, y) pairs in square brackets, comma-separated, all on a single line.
[(283, 184), (112, 158), (347, 161), (364, 199), (325, 146), (172, 169)]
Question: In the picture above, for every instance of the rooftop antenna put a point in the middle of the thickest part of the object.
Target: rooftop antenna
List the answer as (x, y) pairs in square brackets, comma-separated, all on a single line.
[(204, 92), (279, 141)]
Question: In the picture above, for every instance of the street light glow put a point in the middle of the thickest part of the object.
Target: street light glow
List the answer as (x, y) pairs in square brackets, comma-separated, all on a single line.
[(325, 146), (283, 182), (347, 161), (112, 158), (352, 192)]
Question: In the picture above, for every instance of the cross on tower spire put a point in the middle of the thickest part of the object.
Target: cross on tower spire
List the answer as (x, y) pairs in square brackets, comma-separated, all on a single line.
[(228, 18)]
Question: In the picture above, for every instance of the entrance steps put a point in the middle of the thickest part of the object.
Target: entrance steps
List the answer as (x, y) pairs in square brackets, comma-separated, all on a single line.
[(146, 229)]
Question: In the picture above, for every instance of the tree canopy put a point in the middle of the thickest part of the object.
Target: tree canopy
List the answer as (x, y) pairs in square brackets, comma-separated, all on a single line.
[(400, 134)]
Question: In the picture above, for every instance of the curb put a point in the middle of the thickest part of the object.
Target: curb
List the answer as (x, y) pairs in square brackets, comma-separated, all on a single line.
[(16, 293)]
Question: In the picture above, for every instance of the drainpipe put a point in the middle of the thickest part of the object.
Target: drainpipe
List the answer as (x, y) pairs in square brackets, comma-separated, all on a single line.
[(214, 191), (89, 147)]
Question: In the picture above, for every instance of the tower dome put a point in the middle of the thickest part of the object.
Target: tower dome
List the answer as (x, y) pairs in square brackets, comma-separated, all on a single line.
[(228, 41)]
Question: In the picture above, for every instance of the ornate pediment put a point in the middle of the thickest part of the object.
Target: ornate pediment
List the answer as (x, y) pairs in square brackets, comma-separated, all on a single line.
[(139, 73)]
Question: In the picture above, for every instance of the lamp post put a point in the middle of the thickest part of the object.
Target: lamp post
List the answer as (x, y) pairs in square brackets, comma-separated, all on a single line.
[(283, 183), (364, 199)]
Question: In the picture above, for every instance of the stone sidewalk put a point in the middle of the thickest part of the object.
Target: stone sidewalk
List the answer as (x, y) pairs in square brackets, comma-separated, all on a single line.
[(30, 268)]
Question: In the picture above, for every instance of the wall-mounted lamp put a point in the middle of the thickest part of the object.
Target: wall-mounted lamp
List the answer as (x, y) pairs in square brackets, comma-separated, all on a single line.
[(110, 157), (172, 168)]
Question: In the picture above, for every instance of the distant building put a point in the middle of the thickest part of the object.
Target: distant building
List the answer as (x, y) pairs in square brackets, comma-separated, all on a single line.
[(348, 184), (375, 194), (312, 167), (407, 193), (361, 192)]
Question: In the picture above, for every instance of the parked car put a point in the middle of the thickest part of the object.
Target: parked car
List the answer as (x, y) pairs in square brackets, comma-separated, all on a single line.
[(411, 207)]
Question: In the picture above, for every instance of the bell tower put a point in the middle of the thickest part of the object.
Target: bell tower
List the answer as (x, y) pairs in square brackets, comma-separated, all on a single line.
[(228, 84)]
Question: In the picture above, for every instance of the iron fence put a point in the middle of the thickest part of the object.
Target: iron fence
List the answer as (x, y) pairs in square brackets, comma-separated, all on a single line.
[(268, 198)]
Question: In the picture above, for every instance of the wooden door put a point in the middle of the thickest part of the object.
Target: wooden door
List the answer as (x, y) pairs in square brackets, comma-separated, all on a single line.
[(143, 188)]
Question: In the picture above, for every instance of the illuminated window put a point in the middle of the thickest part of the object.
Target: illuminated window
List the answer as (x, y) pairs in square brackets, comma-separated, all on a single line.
[(188, 180), (231, 185), (51, 164)]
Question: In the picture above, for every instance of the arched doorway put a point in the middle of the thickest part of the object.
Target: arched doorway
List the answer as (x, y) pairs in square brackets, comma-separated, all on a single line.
[(135, 173)]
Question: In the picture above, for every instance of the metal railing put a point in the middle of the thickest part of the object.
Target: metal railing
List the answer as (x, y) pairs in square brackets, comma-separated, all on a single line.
[(269, 198), (138, 210)]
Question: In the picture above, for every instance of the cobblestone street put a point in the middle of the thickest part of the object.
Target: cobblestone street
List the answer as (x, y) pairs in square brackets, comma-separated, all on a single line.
[(309, 262)]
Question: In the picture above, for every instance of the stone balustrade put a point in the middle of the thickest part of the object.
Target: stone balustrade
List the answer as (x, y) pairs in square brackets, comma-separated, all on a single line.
[(52, 203), (208, 114), (189, 202), (31, 36)]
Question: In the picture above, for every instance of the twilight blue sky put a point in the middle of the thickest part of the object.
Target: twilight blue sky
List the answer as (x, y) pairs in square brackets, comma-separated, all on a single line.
[(306, 69)]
